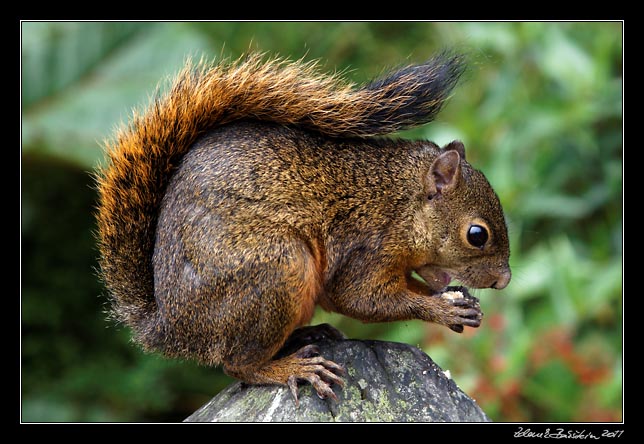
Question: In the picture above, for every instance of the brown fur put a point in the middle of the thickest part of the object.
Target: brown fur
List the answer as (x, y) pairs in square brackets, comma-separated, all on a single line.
[(253, 191)]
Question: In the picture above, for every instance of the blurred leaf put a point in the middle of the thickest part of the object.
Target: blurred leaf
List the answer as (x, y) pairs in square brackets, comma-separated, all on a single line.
[(44, 409), (56, 54), (543, 204), (81, 106), (566, 62), (554, 388)]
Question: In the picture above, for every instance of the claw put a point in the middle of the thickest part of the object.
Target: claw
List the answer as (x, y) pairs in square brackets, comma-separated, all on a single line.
[(292, 384), (322, 388), (316, 370)]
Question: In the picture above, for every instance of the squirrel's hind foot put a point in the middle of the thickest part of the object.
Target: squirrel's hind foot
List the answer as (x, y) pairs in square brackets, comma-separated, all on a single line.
[(312, 367), (319, 372), (305, 364)]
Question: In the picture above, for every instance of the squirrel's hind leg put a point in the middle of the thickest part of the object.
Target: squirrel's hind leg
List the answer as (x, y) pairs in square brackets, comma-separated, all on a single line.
[(280, 294)]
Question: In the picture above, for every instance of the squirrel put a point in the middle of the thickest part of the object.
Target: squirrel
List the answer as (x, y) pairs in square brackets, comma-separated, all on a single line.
[(254, 190)]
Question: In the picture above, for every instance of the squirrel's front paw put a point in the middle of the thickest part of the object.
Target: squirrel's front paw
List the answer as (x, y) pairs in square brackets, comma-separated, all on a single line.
[(465, 309)]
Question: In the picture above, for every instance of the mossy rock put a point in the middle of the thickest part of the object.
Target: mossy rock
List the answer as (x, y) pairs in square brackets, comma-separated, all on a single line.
[(384, 382)]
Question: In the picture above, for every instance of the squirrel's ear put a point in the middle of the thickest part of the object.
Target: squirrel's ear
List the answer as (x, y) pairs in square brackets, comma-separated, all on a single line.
[(444, 172), (455, 145)]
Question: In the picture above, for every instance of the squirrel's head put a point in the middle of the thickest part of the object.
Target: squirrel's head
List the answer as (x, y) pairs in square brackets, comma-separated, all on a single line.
[(463, 226)]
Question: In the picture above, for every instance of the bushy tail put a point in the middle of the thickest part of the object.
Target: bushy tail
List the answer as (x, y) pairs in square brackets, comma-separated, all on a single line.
[(145, 153)]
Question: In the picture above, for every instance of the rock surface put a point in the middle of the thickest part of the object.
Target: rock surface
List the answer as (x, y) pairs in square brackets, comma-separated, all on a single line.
[(384, 382)]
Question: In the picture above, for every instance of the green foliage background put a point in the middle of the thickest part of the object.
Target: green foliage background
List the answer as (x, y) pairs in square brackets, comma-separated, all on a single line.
[(540, 113)]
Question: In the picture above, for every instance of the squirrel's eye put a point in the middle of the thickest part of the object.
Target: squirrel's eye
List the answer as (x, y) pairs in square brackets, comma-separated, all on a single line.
[(477, 236)]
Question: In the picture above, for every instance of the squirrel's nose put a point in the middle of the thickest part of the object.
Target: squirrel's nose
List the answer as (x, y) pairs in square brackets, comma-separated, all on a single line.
[(503, 279)]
